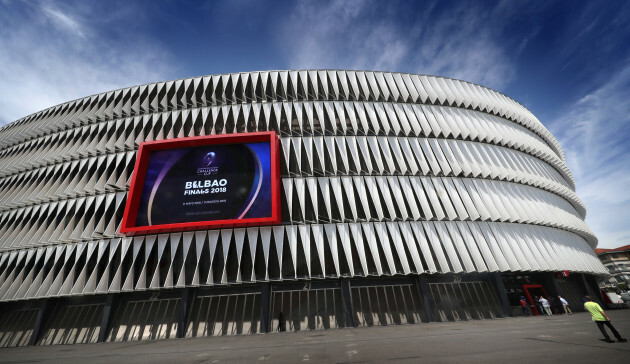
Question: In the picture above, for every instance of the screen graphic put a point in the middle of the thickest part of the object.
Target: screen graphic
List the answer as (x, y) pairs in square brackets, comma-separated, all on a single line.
[(204, 182)]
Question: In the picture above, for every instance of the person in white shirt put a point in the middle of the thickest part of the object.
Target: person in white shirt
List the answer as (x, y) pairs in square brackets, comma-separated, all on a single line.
[(565, 305), (546, 306)]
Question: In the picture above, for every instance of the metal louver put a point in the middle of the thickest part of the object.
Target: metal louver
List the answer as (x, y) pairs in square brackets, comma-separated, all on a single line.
[(382, 174)]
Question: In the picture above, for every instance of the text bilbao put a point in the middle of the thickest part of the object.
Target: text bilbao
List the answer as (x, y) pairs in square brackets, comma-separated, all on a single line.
[(204, 187)]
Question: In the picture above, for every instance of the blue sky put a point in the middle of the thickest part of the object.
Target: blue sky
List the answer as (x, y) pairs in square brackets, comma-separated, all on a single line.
[(566, 61)]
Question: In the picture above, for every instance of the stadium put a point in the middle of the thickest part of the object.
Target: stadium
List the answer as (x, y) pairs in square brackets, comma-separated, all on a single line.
[(282, 201)]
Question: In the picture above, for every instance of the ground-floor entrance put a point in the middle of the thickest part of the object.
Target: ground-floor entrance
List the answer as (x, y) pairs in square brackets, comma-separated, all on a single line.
[(551, 286), (276, 307)]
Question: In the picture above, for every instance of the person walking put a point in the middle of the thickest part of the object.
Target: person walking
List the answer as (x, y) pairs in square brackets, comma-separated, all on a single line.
[(539, 307), (546, 306), (565, 306), (599, 316), (524, 306), (281, 324)]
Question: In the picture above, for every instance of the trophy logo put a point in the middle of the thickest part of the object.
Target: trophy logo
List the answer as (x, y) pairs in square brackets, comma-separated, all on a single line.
[(206, 164), (208, 159)]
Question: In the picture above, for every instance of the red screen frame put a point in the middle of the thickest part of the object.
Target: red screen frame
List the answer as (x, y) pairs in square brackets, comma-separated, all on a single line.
[(128, 225), (526, 288)]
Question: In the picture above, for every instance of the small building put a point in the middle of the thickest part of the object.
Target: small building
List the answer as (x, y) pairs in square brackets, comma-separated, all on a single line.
[(617, 261)]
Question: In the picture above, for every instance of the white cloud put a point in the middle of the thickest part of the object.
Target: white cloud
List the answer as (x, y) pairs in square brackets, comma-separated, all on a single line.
[(332, 35), (462, 41), (594, 132), (465, 44), (53, 53), (63, 21)]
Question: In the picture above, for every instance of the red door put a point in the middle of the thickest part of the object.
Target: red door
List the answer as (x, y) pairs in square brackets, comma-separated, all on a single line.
[(532, 290)]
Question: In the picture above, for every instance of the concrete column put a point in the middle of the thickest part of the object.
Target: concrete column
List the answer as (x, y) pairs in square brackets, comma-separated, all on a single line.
[(108, 316), (497, 281), (185, 305), (592, 288), (265, 307), (422, 284), (581, 282), (347, 301), (45, 308), (556, 286), (550, 284)]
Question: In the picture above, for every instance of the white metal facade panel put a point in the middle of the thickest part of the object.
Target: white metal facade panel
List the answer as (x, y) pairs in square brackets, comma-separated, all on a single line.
[(406, 173)]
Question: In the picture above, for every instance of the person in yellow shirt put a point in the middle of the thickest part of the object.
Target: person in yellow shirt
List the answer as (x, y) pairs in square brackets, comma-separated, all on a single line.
[(601, 319)]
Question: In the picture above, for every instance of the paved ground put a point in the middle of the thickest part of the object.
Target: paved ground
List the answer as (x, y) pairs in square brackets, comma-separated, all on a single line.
[(559, 339)]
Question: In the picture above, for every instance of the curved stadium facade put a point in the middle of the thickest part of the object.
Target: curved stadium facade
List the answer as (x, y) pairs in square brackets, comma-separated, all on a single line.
[(404, 199)]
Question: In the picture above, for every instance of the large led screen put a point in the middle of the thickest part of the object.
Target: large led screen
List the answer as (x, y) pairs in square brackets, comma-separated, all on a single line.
[(204, 182)]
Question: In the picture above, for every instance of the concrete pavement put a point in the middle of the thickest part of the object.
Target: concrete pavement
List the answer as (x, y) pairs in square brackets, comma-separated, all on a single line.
[(559, 339)]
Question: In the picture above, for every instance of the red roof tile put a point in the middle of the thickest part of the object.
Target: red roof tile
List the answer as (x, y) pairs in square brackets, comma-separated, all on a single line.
[(620, 249)]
